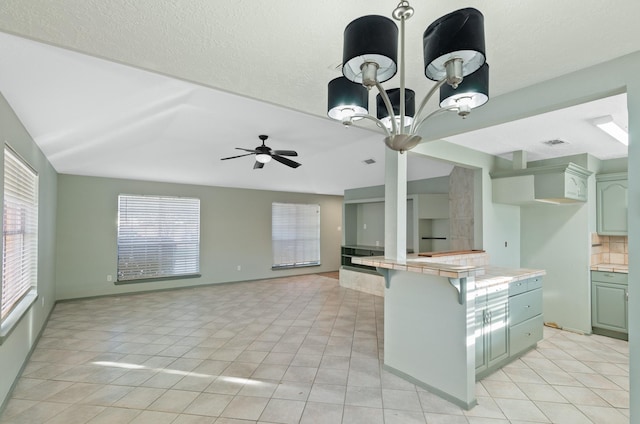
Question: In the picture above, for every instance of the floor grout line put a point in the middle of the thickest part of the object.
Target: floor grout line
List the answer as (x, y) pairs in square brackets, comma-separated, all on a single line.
[(217, 343)]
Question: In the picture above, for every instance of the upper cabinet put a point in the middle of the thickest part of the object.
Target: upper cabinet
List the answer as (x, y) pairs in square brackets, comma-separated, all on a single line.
[(611, 198), (565, 183)]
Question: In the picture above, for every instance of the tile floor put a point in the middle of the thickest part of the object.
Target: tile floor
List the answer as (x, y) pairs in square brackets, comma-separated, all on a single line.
[(289, 350)]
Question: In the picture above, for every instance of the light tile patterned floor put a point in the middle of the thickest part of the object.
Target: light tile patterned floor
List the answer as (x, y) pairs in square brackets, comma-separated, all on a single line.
[(290, 350)]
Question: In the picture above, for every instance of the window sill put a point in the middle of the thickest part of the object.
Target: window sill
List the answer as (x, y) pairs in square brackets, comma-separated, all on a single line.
[(16, 315), (152, 279), (276, 268)]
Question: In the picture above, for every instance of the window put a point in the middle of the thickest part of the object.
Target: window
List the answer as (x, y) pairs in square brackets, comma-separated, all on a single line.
[(19, 232), (295, 235), (158, 237)]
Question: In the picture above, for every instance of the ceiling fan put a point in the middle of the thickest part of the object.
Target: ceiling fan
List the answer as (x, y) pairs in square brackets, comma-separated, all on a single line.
[(264, 154)]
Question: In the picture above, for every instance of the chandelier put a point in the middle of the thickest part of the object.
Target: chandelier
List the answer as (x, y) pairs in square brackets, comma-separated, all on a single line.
[(454, 57)]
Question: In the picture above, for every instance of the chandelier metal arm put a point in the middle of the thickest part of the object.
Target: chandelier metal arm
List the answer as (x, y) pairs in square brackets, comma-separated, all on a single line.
[(402, 81), (387, 103), (349, 121), (430, 94), (432, 114)]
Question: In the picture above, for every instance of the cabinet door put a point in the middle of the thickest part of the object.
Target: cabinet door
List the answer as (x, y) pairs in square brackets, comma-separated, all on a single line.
[(609, 306), (497, 330), (612, 207), (482, 361)]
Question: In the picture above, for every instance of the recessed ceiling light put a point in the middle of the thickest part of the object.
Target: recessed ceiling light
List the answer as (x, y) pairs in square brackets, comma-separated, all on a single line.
[(369, 161)]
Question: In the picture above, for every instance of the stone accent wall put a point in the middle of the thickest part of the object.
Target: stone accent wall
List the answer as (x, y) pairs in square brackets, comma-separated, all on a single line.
[(461, 189)]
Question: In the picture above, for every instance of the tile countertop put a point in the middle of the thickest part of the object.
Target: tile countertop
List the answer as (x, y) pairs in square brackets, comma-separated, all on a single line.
[(421, 266), (501, 275), (486, 275), (624, 269)]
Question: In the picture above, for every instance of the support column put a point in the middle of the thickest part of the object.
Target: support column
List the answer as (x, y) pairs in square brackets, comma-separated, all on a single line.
[(395, 206), (633, 218)]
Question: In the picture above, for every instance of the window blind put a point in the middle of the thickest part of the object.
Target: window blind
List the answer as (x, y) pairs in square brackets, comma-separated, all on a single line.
[(19, 231), (295, 235), (158, 237)]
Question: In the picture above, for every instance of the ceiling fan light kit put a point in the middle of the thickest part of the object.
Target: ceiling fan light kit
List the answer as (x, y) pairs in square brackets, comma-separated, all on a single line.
[(264, 154), (454, 56)]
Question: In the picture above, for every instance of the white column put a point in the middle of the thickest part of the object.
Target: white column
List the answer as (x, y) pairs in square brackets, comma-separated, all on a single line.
[(395, 206)]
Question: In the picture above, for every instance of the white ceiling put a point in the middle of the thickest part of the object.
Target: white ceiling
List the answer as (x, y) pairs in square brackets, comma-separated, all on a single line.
[(224, 72)]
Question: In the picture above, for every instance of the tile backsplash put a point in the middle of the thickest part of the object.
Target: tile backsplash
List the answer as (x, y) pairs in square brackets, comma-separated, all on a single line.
[(609, 250)]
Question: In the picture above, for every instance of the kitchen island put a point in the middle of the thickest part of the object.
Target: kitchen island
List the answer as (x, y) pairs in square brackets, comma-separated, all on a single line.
[(438, 308)]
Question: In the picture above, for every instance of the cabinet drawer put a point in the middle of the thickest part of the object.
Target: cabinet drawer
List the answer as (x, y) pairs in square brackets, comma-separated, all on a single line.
[(517, 287), (534, 283), (525, 306), (525, 335), (609, 277)]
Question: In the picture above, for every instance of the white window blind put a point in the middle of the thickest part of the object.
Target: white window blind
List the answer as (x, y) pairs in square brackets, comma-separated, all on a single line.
[(158, 237), (295, 235), (19, 232)]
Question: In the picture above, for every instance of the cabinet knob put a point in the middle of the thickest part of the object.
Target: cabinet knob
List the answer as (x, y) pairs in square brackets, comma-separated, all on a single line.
[(528, 334), (528, 306)]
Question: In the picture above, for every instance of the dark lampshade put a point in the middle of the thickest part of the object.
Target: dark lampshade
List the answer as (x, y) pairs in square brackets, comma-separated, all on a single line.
[(346, 99), (473, 91), (394, 97), (370, 38), (459, 34)]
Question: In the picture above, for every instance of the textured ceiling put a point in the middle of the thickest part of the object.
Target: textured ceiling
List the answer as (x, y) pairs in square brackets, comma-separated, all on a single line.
[(281, 53)]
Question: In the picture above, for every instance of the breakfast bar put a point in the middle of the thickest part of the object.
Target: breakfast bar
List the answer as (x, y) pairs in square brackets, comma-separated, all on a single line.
[(444, 314)]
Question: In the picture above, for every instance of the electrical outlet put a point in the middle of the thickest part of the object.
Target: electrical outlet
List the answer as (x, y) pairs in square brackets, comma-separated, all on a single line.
[(364, 226), (239, 268), (109, 277), (42, 301)]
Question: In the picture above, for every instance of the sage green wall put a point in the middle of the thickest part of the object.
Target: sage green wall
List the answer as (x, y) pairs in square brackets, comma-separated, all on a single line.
[(16, 347), (235, 230), (498, 231), (424, 186), (556, 238), (372, 213), (633, 107)]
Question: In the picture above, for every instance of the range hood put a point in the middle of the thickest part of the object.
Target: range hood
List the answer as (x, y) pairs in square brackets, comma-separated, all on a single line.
[(557, 184)]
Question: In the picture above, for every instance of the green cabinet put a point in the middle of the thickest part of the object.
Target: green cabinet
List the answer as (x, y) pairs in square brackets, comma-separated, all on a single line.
[(492, 339), (525, 318), (609, 303), (611, 200), (508, 322)]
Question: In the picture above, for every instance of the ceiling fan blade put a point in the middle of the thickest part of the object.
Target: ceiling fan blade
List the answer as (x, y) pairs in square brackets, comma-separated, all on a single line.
[(285, 152), (246, 150), (285, 161), (239, 156), (258, 165)]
